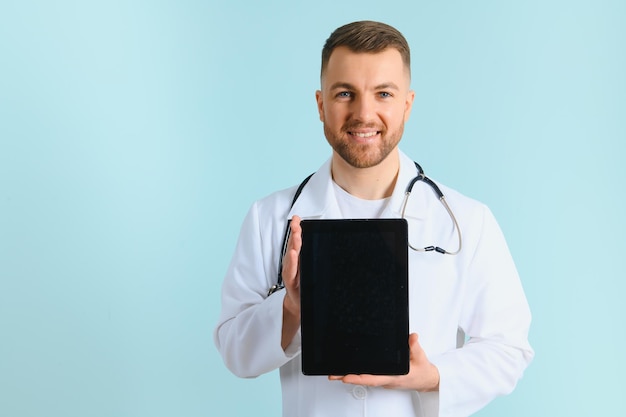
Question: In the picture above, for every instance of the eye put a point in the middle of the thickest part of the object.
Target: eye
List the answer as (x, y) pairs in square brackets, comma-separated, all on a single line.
[(384, 94), (344, 94)]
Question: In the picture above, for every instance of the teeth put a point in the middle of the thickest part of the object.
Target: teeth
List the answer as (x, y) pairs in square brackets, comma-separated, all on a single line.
[(365, 135)]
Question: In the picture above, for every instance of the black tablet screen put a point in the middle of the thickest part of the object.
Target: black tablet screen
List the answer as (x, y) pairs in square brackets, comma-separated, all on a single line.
[(354, 297)]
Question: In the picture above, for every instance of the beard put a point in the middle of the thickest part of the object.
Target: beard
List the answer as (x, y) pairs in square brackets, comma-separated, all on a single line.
[(363, 155)]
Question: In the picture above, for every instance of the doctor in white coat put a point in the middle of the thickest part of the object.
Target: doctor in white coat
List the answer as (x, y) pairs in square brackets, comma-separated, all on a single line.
[(469, 317)]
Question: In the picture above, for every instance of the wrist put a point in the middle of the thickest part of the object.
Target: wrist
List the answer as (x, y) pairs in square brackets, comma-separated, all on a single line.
[(291, 321), (290, 308), (434, 379)]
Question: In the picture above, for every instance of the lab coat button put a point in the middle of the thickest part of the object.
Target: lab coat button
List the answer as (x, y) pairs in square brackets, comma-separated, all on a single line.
[(359, 392)]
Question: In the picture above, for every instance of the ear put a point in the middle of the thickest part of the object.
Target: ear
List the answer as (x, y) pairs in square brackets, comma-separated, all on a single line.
[(320, 104), (409, 104)]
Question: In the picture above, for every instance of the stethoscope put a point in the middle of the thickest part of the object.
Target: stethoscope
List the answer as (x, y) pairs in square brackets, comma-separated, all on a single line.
[(420, 177)]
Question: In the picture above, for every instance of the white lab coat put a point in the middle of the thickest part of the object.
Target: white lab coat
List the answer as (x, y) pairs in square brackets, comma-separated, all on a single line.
[(477, 292)]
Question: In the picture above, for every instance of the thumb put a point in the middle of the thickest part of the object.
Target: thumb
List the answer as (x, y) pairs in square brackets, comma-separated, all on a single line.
[(415, 349)]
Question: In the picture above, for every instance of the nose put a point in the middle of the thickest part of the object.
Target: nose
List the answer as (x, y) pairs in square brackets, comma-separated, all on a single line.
[(363, 108)]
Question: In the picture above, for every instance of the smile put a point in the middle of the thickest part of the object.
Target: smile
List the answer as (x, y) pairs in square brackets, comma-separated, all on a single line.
[(364, 135)]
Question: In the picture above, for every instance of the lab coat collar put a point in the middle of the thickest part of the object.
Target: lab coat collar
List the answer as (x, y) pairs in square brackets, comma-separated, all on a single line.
[(318, 200)]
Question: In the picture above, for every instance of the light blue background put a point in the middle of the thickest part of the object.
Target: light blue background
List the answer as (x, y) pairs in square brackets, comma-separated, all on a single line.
[(134, 135)]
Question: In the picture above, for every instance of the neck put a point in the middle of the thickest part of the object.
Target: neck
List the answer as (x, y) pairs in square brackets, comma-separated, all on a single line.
[(373, 183)]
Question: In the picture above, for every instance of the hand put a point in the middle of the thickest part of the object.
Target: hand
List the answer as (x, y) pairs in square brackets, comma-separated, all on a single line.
[(423, 375), (291, 279), (291, 266)]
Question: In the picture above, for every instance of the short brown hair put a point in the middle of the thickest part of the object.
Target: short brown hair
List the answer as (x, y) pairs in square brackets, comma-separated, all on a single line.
[(366, 36)]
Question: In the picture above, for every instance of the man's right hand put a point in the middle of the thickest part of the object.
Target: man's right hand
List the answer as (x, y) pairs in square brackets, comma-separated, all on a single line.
[(291, 279)]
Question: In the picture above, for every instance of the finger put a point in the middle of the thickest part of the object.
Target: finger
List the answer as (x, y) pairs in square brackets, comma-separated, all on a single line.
[(413, 341), (368, 380), (417, 354), (290, 263), (295, 237)]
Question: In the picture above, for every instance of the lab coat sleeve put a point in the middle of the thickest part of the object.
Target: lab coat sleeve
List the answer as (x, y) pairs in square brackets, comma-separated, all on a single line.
[(248, 333), (496, 318)]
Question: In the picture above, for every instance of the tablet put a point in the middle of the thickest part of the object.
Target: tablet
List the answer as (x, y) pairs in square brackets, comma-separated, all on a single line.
[(354, 297)]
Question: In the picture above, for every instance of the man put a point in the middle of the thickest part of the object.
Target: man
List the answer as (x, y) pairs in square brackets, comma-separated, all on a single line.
[(364, 101)]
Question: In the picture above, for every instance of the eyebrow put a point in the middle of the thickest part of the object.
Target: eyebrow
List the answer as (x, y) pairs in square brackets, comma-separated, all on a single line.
[(348, 86)]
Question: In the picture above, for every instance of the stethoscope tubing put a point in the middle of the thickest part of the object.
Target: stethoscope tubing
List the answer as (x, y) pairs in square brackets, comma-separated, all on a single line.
[(420, 177)]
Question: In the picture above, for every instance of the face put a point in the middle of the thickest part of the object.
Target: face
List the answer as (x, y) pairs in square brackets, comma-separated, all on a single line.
[(364, 102)]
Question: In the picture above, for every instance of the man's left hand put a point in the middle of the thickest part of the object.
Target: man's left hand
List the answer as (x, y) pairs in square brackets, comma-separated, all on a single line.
[(423, 375)]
